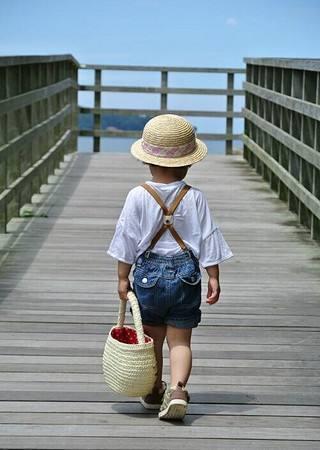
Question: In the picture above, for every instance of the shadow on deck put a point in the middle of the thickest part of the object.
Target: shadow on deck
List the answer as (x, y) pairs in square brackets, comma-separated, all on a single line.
[(255, 379)]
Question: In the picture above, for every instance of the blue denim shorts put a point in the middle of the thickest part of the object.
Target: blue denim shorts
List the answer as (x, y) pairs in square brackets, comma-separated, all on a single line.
[(168, 289)]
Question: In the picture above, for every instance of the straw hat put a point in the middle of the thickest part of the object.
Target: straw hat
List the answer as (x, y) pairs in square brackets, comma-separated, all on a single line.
[(170, 141)]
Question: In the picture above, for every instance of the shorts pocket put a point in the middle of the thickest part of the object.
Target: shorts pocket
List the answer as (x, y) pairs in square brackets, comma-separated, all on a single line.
[(190, 273), (145, 279), (192, 279)]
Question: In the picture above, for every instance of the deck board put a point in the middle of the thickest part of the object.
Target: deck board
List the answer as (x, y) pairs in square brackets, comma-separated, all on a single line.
[(255, 380)]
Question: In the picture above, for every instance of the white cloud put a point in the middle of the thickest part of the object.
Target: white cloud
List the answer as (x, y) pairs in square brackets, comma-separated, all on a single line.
[(231, 21)]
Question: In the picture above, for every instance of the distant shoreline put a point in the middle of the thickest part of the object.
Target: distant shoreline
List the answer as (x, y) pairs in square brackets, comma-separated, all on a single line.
[(122, 145)]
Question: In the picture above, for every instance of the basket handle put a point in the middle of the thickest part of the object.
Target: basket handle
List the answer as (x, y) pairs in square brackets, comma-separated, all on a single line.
[(135, 313)]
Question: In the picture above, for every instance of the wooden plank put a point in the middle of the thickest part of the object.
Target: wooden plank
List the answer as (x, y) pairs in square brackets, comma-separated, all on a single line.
[(35, 59), (255, 379), (98, 328), (160, 90), (154, 112), (292, 103), (139, 419), (83, 443), (229, 107), (97, 106), (207, 432), (135, 408), (308, 199), (291, 350), (162, 68), (301, 149), (100, 306), (28, 98), (34, 132), (20, 183), (247, 394), (287, 63), (137, 134), (95, 379), (208, 336), (95, 368), (24, 360), (94, 318)]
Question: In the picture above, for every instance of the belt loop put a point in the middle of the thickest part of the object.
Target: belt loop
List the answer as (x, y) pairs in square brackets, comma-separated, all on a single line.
[(147, 254), (188, 252)]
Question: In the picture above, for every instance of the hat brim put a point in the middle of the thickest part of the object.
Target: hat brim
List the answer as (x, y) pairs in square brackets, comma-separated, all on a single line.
[(197, 155)]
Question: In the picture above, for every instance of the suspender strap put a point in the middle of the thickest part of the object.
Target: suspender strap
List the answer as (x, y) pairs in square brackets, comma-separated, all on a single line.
[(155, 239), (178, 199), (168, 212), (176, 236), (157, 197)]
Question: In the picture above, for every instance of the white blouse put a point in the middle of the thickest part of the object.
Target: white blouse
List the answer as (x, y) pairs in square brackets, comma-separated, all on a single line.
[(141, 218)]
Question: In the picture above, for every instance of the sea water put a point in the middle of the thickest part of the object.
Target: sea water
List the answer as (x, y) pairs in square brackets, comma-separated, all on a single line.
[(122, 145)]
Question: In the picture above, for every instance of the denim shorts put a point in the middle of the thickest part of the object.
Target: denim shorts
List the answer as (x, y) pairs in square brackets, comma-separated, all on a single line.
[(168, 289)]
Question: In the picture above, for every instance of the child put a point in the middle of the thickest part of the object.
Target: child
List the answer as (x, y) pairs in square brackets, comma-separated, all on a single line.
[(165, 229)]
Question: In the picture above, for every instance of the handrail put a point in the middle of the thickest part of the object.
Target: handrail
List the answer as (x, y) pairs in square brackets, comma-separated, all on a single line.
[(39, 122), (6, 61), (38, 125), (282, 131), (164, 91), (162, 68)]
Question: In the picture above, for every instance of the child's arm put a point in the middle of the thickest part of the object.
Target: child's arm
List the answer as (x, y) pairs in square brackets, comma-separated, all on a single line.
[(213, 284), (123, 279)]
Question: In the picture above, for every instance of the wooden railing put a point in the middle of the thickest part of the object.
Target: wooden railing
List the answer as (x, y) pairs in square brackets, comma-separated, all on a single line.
[(38, 124), (282, 131), (164, 91)]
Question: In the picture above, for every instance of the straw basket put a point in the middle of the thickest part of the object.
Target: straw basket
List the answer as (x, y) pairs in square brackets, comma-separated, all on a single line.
[(129, 363)]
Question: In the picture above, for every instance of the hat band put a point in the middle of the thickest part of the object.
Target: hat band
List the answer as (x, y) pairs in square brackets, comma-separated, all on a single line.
[(168, 152)]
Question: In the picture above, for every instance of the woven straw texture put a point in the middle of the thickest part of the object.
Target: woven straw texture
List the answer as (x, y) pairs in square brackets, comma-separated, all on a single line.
[(167, 131), (130, 369)]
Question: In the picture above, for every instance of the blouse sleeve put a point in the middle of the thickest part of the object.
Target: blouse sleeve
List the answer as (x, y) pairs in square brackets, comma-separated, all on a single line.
[(213, 249), (124, 243)]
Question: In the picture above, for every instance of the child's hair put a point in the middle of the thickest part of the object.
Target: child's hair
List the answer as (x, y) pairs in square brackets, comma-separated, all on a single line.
[(178, 172)]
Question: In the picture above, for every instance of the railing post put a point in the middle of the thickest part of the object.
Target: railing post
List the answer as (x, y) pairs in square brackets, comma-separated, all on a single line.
[(97, 104), (75, 113), (4, 93), (164, 96), (315, 222), (229, 121), (4, 184)]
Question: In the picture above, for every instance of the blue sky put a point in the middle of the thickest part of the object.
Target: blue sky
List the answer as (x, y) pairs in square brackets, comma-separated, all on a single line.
[(207, 33), (172, 32)]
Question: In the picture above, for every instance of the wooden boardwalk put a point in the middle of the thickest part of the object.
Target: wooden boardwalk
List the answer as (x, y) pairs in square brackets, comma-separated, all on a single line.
[(255, 381)]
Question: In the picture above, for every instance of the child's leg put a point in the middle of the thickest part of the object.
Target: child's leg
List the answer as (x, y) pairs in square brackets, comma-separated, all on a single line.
[(158, 334), (179, 341)]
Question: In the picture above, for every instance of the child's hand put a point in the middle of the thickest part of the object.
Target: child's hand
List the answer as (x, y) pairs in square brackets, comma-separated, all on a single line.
[(123, 277), (123, 288), (213, 290)]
